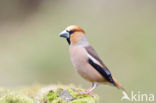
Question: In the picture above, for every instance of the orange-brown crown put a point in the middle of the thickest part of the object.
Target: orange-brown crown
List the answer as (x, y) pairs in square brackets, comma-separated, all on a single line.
[(77, 34), (75, 28)]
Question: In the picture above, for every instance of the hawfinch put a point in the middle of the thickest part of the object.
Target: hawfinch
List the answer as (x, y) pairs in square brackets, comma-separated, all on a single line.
[(85, 59)]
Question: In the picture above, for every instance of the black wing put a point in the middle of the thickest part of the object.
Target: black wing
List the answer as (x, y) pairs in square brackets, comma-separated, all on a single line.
[(103, 71)]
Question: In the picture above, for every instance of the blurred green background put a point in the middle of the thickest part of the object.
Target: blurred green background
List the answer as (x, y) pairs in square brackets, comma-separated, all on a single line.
[(123, 32)]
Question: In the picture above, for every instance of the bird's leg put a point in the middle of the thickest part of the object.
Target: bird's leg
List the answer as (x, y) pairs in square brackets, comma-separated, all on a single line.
[(94, 85)]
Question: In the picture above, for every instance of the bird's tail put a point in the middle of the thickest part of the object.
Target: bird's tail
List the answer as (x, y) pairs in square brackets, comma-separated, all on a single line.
[(121, 87), (118, 85)]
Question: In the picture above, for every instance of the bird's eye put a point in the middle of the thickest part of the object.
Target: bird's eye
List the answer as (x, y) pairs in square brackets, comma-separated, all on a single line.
[(71, 31)]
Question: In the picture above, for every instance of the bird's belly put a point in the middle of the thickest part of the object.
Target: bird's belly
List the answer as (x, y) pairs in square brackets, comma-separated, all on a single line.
[(79, 60)]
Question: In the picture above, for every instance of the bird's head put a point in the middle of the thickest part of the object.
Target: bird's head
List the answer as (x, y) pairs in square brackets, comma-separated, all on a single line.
[(73, 34)]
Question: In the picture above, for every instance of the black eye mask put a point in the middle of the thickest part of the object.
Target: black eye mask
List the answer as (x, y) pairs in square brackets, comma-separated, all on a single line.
[(71, 31)]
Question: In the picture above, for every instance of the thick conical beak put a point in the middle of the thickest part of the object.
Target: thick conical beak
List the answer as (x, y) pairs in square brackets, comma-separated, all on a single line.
[(64, 34)]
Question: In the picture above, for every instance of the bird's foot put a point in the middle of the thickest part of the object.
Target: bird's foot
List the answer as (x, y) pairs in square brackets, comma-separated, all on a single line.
[(88, 92), (85, 93)]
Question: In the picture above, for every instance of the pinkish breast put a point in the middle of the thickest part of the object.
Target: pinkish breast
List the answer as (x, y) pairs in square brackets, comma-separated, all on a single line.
[(79, 59)]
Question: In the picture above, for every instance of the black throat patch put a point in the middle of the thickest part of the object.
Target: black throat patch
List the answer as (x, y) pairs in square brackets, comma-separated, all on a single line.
[(68, 40)]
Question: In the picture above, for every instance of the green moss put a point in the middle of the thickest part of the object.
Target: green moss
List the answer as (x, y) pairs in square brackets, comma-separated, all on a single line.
[(84, 100), (81, 98), (44, 95), (72, 93), (51, 95), (16, 98)]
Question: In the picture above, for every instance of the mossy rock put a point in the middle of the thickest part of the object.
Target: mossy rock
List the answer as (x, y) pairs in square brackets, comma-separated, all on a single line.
[(68, 96), (50, 94), (16, 98)]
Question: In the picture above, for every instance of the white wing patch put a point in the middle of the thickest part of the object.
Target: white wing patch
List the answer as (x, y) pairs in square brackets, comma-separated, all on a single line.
[(93, 59)]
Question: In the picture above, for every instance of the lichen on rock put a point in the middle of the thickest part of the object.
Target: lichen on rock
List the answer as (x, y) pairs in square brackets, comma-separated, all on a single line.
[(68, 96), (49, 94)]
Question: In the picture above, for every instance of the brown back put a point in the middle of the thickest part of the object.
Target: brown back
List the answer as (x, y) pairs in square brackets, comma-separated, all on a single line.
[(93, 53)]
